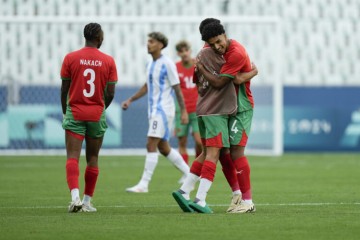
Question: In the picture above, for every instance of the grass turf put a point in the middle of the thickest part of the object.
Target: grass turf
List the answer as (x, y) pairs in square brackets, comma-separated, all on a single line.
[(297, 196)]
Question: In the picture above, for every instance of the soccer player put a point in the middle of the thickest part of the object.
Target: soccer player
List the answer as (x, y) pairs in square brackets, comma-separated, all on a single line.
[(236, 60), (185, 68), (162, 81), (88, 87)]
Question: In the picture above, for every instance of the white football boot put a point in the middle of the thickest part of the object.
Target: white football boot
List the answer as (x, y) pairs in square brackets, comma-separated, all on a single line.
[(137, 189), (235, 202), (75, 206)]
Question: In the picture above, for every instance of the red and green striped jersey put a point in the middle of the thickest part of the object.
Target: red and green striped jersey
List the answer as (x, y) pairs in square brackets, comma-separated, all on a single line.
[(89, 71), (237, 60), (187, 86)]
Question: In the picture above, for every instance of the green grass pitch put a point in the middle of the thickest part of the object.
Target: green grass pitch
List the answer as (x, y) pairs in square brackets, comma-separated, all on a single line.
[(297, 196)]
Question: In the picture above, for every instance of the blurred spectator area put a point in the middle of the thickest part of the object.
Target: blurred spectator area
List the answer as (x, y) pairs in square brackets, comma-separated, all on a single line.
[(321, 38)]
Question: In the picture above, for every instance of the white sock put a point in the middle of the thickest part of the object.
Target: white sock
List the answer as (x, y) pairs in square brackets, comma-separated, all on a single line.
[(175, 157), (203, 189), (86, 200), (248, 201), (189, 184), (75, 194), (237, 192), (151, 161)]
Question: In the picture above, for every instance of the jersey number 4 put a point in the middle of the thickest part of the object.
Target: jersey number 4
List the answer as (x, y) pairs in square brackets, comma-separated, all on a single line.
[(90, 72)]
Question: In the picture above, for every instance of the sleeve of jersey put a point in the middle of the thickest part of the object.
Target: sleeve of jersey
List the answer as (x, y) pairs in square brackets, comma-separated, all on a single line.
[(113, 78), (65, 71), (234, 64), (172, 73)]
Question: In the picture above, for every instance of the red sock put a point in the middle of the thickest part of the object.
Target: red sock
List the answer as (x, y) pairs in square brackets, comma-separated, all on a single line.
[(196, 168), (243, 174), (208, 170), (72, 173), (91, 175), (186, 158), (229, 171)]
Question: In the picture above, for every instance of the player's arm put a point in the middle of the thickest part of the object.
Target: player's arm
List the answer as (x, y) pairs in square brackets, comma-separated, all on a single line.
[(214, 80), (110, 93), (180, 98), (65, 86), (243, 77), (140, 93)]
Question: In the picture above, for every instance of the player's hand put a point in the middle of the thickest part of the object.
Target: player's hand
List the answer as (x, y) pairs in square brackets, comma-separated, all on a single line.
[(199, 66), (126, 104), (254, 68), (184, 117)]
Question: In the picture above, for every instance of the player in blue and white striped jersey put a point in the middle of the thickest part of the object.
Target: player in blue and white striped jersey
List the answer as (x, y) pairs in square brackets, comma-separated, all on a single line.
[(162, 82)]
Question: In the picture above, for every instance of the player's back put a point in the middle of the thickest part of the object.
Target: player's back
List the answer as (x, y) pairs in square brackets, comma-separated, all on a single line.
[(214, 101), (161, 76), (89, 71)]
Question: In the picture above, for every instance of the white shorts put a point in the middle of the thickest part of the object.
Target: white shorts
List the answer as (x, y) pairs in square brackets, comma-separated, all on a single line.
[(160, 126)]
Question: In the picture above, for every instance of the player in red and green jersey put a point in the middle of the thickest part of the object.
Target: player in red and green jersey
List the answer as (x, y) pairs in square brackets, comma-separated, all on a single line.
[(185, 68), (236, 60), (88, 87)]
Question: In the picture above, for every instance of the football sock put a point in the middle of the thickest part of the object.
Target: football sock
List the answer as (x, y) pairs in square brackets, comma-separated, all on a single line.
[(75, 194), (86, 200), (207, 177), (72, 173), (151, 161), (189, 185), (243, 174), (175, 157), (229, 171), (196, 168), (91, 175), (186, 158), (237, 192)]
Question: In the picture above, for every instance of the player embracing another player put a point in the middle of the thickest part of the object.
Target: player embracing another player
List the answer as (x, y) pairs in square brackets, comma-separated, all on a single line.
[(221, 130)]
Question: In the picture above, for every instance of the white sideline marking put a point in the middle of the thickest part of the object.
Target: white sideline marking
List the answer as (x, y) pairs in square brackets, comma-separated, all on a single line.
[(213, 205)]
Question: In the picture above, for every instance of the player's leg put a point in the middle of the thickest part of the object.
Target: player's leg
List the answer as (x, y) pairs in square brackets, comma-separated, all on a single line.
[(94, 137), (229, 171), (151, 160), (173, 156), (207, 177), (182, 196), (165, 125), (93, 146), (74, 136), (182, 141), (196, 133), (239, 128), (181, 131), (216, 138)]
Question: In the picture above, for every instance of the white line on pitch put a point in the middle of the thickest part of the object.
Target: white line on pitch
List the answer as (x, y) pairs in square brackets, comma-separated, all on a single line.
[(214, 205)]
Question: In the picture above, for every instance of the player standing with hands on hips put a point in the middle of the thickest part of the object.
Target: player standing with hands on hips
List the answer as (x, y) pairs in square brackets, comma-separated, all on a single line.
[(162, 80), (88, 87)]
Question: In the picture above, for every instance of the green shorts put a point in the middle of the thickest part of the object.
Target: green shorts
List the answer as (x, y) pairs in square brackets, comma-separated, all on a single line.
[(239, 128), (214, 130), (84, 128), (182, 130)]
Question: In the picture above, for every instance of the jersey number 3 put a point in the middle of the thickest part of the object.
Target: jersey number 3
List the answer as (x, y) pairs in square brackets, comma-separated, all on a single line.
[(90, 72)]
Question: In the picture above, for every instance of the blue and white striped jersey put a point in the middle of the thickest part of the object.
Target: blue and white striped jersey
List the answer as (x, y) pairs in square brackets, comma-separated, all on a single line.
[(161, 76)]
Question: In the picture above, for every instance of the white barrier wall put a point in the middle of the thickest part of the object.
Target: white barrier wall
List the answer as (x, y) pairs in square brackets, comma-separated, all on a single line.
[(321, 37)]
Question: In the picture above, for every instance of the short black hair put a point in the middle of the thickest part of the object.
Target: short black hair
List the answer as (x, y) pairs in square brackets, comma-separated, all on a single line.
[(206, 21), (159, 37), (92, 31), (212, 30)]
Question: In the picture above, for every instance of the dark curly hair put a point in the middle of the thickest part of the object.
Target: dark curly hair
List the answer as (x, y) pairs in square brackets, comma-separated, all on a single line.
[(92, 31), (212, 30), (207, 21), (159, 37)]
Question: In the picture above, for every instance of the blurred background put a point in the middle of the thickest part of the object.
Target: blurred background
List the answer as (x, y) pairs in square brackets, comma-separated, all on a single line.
[(307, 93)]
